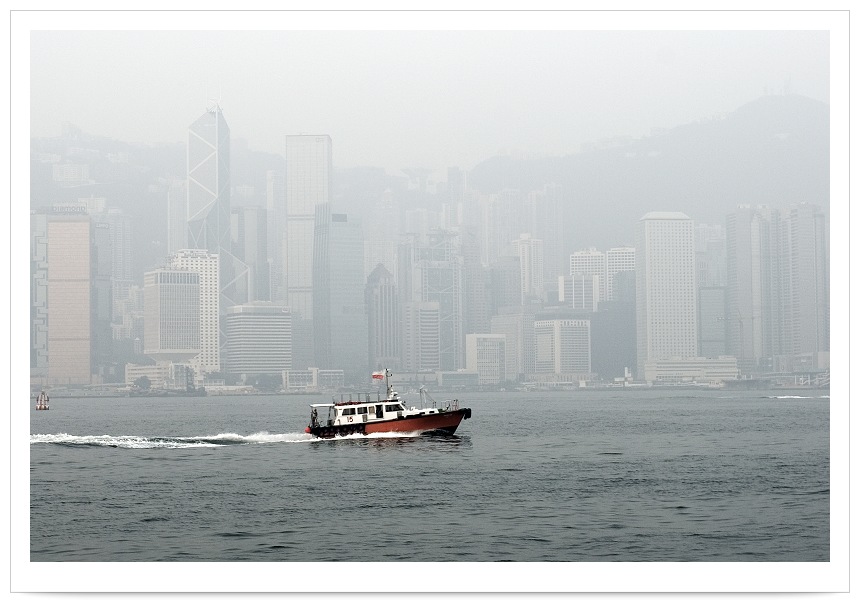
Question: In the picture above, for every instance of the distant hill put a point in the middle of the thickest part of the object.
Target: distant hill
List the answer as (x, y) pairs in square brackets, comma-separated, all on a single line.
[(774, 151)]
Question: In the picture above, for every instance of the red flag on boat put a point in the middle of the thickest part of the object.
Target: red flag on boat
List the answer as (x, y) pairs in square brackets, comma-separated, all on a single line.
[(378, 375)]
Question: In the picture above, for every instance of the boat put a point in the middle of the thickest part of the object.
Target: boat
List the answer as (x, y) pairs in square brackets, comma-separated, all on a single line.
[(42, 401), (364, 415)]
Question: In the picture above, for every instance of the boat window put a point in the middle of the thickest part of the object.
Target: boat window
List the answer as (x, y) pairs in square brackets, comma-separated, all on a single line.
[(361, 410), (348, 411), (393, 407), (371, 409)]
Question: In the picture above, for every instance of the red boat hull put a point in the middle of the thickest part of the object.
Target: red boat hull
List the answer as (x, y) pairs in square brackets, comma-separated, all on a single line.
[(445, 421)]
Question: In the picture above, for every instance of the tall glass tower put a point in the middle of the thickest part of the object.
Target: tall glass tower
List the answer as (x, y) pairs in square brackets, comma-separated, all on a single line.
[(307, 184), (208, 192)]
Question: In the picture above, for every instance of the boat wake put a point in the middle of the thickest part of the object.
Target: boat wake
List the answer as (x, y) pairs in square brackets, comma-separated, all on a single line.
[(799, 397), (207, 441)]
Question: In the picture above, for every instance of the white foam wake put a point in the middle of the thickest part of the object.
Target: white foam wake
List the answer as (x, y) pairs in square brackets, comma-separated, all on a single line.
[(799, 397), (128, 441)]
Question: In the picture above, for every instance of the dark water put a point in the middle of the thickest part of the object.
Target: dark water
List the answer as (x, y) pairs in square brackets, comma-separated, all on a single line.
[(570, 476)]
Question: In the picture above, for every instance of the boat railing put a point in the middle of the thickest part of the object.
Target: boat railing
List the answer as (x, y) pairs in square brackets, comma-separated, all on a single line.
[(360, 398)]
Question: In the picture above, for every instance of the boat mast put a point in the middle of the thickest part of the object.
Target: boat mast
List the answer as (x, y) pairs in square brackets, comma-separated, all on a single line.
[(388, 389)]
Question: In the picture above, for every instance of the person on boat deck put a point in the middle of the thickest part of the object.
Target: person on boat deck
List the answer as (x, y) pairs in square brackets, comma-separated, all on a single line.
[(314, 417)]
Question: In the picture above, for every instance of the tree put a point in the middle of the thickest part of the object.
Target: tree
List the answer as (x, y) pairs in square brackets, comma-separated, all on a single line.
[(143, 382)]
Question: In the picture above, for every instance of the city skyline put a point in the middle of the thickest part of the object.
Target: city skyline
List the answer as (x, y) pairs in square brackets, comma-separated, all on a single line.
[(448, 238)]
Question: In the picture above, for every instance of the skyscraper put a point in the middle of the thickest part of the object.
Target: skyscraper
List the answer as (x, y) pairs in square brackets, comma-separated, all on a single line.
[(592, 263), (431, 270), (171, 301), (618, 259), (807, 286), (750, 277), (307, 184), (38, 294), (547, 222), (206, 265), (339, 311), (208, 214), (530, 252), (776, 290), (562, 347), (249, 235), (421, 330), (383, 317), (666, 307), (276, 210), (69, 299), (177, 216)]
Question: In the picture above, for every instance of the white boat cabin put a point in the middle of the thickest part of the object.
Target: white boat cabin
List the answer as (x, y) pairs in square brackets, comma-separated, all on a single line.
[(357, 412)]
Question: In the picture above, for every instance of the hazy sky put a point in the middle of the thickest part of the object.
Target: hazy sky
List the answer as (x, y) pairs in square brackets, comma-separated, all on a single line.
[(412, 98)]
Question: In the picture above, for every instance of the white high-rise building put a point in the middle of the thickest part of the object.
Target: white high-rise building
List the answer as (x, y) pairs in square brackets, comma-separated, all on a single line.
[(307, 184), (530, 252), (563, 348), (666, 307), (171, 301), (420, 332), (207, 266), (579, 291), (618, 259), (592, 263), (259, 339)]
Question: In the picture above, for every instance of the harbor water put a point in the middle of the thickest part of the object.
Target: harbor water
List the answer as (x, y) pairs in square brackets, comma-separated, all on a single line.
[(586, 475)]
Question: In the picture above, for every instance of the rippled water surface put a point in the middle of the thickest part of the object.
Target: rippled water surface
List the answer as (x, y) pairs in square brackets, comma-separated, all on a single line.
[(565, 476)]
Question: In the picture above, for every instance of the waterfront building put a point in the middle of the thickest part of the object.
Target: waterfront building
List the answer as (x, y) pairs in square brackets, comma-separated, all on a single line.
[(777, 288), (613, 331), (420, 332), (259, 339), (666, 300), (69, 311), (591, 262), (694, 369), (39, 296), (562, 348), (206, 265), (171, 301), (313, 380), (618, 259), (485, 354), (516, 323)]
